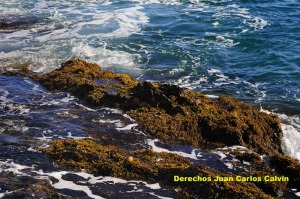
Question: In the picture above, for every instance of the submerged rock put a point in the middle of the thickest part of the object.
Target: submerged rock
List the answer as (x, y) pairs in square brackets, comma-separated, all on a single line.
[(170, 113)]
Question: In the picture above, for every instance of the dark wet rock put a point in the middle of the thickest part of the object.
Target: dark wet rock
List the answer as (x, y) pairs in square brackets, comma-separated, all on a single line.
[(289, 167), (259, 168), (26, 187), (149, 166), (14, 23), (170, 113)]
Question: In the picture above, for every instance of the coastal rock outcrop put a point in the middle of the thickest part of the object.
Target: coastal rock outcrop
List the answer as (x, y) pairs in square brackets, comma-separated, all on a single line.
[(151, 166), (175, 116), (168, 112)]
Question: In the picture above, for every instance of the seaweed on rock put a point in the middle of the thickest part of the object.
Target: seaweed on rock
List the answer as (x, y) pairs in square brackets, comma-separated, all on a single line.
[(170, 113), (175, 116), (149, 166)]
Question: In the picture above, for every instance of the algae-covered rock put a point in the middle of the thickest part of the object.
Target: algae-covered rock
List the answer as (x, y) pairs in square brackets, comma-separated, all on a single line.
[(258, 167), (170, 113), (149, 166), (175, 116), (289, 167)]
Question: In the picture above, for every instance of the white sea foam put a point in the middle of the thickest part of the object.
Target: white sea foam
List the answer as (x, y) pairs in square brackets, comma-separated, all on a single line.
[(229, 165), (290, 126), (192, 155), (61, 183), (64, 38), (85, 107), (291, 135), (112, 111), (257, 23), (221, 154), (234, 10), (235, 147), (213, 96), (186, 82), (89, 179), (257, 89), (161, 197), (246, 163), (13, 107), (8, 193), (71, 136), (45, 138), (226, 42), (108, 121), (64, 184), (127, 128), (108, 58), (67, 99), (166, 2), (10, 166), (128, 117)]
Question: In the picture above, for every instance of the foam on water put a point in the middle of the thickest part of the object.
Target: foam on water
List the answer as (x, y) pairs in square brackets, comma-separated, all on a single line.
[(226, 42), (290, 126), (128, 127), (234, 10), (7, 193), (13, 108), (220, 158), (192, 155), (10, 166), (82, 185), (108, 58), (291, 135), (64, 184), (66, 37)]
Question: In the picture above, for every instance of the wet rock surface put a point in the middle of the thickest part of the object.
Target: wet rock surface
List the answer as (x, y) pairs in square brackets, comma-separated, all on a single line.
[(150, 166), (175, 116), (289, 167), (26, 187), (170, 113)]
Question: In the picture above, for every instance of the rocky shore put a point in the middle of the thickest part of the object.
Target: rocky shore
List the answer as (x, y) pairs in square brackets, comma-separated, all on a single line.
[(175, 116)]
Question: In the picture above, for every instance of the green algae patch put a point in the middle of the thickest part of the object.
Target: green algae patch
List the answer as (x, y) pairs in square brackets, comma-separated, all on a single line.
[(167, 112), (149, 166)]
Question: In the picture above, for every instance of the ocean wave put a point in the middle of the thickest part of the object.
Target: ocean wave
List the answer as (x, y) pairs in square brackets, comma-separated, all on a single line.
[(291, 135), (290, 126)]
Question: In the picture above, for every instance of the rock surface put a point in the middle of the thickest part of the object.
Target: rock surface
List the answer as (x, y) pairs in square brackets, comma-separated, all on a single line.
[(153, 167), (26, 187), (170, 113), (174, 116)]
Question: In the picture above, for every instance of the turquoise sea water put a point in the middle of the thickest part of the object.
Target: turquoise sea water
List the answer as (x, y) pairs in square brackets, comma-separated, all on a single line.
[(245, 49)]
